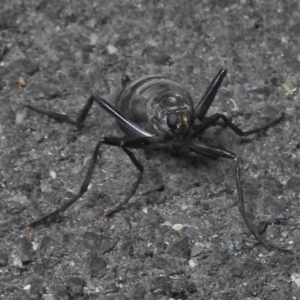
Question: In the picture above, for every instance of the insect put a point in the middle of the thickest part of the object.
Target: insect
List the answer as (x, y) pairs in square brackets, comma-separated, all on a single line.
[(157, 111)]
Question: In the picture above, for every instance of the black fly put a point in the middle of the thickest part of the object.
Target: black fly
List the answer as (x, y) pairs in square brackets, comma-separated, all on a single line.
[(157, 111)]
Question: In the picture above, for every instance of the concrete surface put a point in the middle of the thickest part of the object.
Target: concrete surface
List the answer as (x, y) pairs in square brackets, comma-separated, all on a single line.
[(67, 50)]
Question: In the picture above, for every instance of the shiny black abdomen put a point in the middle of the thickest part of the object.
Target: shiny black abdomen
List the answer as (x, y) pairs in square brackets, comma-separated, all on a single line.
[(147, 101)]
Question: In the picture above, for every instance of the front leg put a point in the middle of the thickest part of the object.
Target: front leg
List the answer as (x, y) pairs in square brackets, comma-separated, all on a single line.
[(213, 120)]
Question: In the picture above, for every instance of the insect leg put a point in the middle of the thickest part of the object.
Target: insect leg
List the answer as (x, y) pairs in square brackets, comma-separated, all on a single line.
[(212, 121), (121, 118), (139, 166), (65, 118), (209, 96), (83, 189), (53, 115), (135, 144), (112, 141), (217, 152), (106, 105)]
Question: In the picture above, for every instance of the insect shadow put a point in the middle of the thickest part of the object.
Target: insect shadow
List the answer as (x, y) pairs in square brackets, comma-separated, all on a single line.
[(155, 111)]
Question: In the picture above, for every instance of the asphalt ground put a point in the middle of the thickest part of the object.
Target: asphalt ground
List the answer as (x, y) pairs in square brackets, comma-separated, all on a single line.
[(54, 55)]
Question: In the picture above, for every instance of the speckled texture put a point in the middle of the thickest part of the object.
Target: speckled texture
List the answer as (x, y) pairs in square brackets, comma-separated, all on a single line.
[(67, 50)]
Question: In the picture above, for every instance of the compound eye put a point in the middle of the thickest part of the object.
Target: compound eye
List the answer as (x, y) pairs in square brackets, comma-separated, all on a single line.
[(172, 121)]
